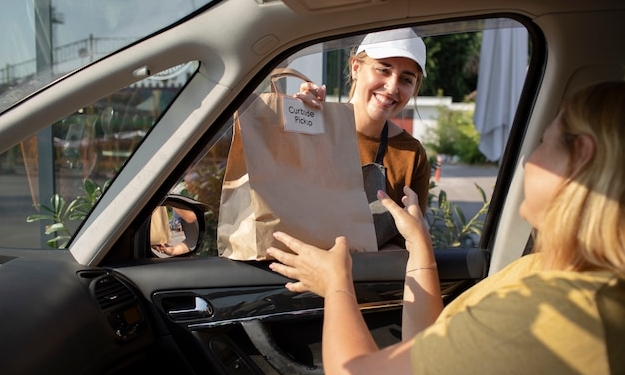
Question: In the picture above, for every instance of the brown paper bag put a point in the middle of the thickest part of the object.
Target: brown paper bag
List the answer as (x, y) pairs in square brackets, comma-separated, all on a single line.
[(160, 234), (307, 185)]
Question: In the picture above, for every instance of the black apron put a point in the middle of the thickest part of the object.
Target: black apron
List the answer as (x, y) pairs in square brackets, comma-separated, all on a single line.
[(374, 177)]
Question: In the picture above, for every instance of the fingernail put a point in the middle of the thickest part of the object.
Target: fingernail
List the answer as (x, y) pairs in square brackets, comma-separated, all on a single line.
[(381, 194)]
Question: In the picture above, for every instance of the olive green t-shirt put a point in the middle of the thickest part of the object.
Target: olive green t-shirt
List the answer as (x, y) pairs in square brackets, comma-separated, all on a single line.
[(523, 321)]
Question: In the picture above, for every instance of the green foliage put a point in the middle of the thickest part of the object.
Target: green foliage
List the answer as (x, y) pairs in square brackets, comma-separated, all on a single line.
[(60, 213), (455, 134), (448, 224), (452, 65), (205, 186)]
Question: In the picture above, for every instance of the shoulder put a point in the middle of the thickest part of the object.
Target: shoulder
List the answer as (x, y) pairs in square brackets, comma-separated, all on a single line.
[(551, 316), (542, 293), (522, 284), (405, 141)]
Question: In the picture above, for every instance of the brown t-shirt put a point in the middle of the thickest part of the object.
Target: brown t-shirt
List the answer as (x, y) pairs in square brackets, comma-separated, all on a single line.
[(406, 165)]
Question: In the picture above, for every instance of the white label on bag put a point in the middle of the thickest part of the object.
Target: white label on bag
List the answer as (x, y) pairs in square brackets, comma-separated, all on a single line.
[(300, 118)]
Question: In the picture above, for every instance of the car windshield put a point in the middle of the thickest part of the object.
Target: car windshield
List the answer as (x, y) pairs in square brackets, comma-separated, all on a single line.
[(43, 40)]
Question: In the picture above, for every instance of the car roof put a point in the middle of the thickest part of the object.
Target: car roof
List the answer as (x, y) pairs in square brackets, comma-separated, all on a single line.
[(277, 26)]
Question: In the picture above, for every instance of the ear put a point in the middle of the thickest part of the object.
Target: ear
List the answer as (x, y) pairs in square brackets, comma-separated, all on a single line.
[(585, 149), (354, 67)]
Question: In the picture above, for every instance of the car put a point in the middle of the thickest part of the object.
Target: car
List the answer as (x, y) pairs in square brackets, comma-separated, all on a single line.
[(113, 111)]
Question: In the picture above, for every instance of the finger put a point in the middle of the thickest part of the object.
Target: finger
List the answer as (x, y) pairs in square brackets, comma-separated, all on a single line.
[(283, 270), (282, 256), (292, 243), (411, 202), (340, 243), (311, 94), (297, 287), (309, 100), (413, 198), (389, 204), (308, 86), (310, 90), (321, 93)]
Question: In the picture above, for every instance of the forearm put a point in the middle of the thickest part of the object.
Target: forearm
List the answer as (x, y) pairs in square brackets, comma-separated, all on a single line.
[(422, 293), (345, 333)]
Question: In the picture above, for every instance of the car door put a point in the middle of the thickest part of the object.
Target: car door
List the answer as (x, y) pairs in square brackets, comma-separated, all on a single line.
[(236, 316)]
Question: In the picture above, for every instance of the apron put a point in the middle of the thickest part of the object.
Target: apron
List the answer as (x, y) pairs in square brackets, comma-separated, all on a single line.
[(374, 178)]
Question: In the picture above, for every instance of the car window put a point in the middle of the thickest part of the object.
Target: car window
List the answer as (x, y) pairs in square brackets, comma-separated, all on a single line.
[(48, 191), (43, 40), (52, 179), (460, 116), (59, 172)]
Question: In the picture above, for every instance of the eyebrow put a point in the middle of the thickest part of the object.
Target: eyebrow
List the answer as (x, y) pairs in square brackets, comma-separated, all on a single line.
[(407, 72)]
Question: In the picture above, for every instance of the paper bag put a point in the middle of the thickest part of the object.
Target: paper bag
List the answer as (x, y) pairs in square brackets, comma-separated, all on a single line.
[(160, 234), (307, 182)]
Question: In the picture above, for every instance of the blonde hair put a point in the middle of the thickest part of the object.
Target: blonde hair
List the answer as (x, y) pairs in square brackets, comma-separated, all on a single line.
[(364, 58), (584, 228)]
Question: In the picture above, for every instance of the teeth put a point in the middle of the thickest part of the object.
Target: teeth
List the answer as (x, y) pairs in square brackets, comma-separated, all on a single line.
[(384, 100)]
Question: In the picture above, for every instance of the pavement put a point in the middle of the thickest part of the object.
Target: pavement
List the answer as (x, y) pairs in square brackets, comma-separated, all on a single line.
[(459, 180)]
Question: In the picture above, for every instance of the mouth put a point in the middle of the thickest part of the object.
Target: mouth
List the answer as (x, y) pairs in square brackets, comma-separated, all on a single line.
[(385, 100)]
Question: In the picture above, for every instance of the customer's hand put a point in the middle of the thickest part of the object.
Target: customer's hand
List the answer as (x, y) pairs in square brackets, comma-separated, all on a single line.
[(408, 220), (315, 270), (311, 94)]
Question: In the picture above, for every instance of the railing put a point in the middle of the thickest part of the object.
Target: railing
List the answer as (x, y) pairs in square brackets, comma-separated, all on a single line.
[(65, 57)]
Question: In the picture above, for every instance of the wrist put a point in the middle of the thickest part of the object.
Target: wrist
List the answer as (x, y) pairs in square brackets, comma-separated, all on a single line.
[(428, 267)]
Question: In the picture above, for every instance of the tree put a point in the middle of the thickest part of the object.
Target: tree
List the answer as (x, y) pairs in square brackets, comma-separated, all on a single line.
[(452, 65)]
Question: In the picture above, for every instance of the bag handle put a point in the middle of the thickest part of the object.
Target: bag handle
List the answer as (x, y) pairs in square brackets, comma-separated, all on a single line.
[(279, 73)]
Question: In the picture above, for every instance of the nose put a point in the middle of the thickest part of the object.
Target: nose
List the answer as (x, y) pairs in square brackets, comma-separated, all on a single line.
[(392, 84)]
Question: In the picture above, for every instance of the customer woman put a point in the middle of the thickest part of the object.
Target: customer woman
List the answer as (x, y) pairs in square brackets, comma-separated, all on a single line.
[(560, 310), (386, 72)]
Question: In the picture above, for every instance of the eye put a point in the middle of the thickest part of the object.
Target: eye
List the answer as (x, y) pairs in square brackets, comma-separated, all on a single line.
[(408, 80)]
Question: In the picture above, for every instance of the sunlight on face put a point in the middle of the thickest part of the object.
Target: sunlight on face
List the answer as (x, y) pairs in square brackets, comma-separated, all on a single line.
[(545, 172), (384, 86)]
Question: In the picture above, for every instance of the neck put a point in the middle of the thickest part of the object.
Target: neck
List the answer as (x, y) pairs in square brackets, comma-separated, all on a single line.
[(368, 127), (371, 131)]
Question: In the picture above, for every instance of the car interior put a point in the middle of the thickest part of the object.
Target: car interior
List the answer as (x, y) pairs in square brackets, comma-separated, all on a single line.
[(104, 301)]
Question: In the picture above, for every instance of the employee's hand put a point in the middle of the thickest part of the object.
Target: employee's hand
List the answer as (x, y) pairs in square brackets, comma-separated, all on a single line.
[(311, 94)]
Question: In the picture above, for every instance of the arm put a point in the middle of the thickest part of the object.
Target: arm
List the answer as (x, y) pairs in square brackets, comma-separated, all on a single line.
[(421, 179), (347, 347), (347, 343), (422, 295)]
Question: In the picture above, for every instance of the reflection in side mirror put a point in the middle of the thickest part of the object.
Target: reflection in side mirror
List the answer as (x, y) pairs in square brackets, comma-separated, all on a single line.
[(176, 226)]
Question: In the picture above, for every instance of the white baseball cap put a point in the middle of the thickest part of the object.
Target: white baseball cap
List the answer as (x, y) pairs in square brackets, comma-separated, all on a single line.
[(395, 43)]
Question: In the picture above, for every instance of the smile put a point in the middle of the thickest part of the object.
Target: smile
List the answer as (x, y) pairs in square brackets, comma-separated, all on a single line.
[(384, 100)]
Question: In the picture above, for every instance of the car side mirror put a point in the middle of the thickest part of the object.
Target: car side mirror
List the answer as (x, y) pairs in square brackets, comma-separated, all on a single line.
[(177, 226)]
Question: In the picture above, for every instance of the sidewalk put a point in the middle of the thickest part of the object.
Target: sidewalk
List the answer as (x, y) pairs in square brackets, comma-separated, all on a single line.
[(458, 181)]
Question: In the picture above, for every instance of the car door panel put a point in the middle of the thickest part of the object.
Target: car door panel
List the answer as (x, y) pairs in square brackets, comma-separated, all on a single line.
[(238, 317)]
